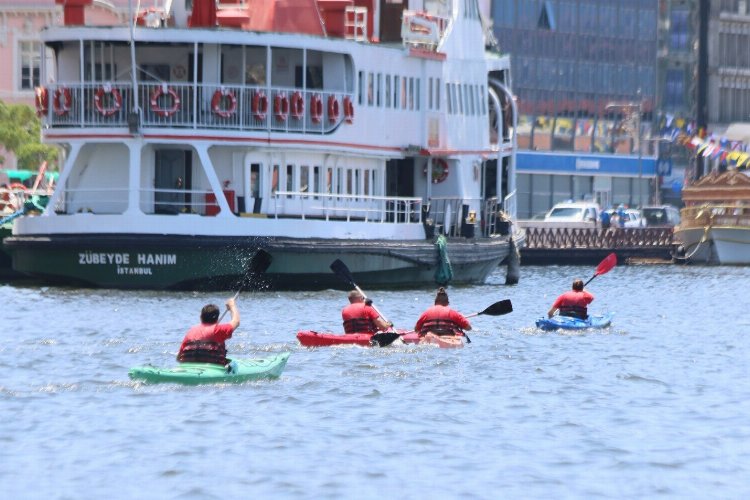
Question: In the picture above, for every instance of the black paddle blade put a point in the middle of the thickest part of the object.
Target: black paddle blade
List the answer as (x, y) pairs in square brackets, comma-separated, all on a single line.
[(384, 339), (499, 308), (260, 262), (342, 271)]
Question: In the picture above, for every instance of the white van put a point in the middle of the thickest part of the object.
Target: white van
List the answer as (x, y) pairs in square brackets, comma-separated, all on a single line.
[(582, 211)]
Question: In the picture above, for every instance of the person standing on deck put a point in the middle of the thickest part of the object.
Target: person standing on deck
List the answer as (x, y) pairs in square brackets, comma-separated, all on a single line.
[(440, 319), (360, 317), (204, 343), (573, 303)]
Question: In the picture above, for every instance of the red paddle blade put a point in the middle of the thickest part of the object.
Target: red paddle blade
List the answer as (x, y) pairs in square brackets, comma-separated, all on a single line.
[(606, 265)]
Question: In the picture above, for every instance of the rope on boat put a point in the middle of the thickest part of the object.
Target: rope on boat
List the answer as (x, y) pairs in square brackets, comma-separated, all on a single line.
[(444, 271), (698, 245)]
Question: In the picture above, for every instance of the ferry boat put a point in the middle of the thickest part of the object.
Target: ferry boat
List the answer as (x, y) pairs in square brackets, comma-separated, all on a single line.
[(714, 226), (377, 132)]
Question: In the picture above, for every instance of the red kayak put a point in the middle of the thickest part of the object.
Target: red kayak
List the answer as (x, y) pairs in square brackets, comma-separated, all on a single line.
[(309, 338)]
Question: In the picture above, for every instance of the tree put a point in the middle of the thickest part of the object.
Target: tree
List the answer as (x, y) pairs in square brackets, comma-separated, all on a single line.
[(20, 134)]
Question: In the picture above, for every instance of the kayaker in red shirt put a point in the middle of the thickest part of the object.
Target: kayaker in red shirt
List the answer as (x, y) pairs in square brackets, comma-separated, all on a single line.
[(573, 303), (204, 343), (360, 317), (440, 319)]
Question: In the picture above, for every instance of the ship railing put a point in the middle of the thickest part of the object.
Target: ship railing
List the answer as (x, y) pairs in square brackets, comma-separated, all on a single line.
[(382, 209), (452, 215), (179, 104), (727, 215), (99, 200)]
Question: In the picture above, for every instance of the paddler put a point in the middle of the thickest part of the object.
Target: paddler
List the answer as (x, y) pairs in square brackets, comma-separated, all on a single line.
[(360, 317), (440, 319), (573, 303), (204, 343)]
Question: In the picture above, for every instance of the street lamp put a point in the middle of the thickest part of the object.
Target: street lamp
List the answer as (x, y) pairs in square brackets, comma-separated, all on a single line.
[(635, 107)]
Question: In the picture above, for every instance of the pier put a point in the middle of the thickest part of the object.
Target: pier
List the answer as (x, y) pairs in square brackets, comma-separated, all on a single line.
[(588, 246)]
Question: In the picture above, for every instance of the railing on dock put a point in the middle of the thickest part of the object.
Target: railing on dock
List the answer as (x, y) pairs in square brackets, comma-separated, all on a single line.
[(612, 238)]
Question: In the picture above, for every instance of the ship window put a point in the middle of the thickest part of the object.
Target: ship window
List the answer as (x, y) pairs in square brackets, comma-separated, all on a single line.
[(473, 99), (411, 93), (340, 183), (374, 182), (403, 93), (329, 180), (395, 91), (361, 87), (316, 180), (255, 65), (255, 180), (467, 99), (448, 97), (289, 179), (349, 181), (437, 94), (387, 91), (366, 190), (370, 89), (379, 90), (417, 86), (275, 179), (429, 93), (483, 99), (460, 100), (357, 186), (304, 178)]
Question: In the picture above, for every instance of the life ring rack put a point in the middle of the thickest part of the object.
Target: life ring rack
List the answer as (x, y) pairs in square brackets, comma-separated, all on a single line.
[(440, 170), (158, 93), (62, 101), (217, 102), (115, 100)]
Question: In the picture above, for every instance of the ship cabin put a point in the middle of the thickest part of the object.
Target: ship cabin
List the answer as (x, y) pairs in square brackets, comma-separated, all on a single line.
[(242, 109)]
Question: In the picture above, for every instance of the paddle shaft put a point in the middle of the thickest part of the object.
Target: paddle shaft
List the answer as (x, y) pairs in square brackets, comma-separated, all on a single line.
[(371, 305)]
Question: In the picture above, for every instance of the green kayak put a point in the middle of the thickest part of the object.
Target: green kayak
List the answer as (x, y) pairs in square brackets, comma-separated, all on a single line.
[(239, 370)]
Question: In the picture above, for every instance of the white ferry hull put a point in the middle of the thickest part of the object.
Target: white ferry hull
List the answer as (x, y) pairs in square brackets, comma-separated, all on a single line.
[(715, 245)]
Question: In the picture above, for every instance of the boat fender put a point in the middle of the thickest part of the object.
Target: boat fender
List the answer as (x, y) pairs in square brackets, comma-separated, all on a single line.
[(41, 99), (297, 107), (348, 110), (316, 108), (115, 100), (62, 100), (157, 94), (260, 105), (219, 98), (281, 107), (333, 109)]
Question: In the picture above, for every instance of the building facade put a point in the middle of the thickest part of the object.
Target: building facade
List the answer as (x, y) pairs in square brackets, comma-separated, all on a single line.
[(592, 86)]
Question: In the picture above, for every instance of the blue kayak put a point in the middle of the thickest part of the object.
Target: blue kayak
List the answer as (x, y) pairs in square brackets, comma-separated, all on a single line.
[(568, 323)]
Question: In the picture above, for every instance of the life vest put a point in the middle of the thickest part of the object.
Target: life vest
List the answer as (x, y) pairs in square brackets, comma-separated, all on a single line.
[(203, 351), (574, 312), (356, 320), (439, 322)]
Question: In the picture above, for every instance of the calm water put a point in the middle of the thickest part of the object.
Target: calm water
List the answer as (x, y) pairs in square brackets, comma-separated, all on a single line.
[(656, 406)]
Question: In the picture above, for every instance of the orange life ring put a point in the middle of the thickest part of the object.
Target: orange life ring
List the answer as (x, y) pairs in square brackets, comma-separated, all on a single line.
[(439, 170), (115, 101), (297, 108), (281, 107), (259, 106), (17, 186), (218, 100), (348, 110), (333, 109), (159, 92), (62, 100), (41, 100), (316, 108)]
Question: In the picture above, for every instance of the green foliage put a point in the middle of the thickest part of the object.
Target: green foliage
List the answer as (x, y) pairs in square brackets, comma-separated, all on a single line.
[(20, 134)]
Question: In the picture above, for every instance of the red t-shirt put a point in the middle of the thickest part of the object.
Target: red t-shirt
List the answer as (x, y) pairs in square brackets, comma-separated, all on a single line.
[(442, 314), (359, 318), (206, 332), (572, 298)]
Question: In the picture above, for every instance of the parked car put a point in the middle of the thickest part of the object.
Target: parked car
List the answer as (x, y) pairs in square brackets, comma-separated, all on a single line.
[(661, 216), (583, 211)]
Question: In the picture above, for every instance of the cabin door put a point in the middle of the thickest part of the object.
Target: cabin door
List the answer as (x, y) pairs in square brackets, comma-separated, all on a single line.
[(172, 181), (390, 20)]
